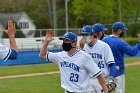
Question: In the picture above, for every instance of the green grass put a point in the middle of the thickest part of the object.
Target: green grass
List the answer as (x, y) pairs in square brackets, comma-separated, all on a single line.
[(132, 79), (37, 68), (27, 69), (35, 84), (132, 59), (51, 83)]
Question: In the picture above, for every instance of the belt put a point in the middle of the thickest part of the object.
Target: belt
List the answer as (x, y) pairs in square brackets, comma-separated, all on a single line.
[(69, 92)]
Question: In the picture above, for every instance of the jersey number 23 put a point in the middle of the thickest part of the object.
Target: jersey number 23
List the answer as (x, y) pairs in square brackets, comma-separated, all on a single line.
[(74, 77)]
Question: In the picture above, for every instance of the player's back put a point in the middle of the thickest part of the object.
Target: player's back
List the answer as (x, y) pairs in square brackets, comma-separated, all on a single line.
[(115, 43)]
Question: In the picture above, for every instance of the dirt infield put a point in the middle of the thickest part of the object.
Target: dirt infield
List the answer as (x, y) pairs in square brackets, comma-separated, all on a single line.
[(47, 73)]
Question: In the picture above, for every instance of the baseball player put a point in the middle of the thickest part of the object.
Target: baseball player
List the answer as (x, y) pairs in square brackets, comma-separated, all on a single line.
[(12, 52), (99, 29), (75, 65), (100, 53), (119, 48)]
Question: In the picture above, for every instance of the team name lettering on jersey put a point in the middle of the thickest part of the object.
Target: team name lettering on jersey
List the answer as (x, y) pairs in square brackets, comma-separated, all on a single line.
[(70, 65), (95, 55)]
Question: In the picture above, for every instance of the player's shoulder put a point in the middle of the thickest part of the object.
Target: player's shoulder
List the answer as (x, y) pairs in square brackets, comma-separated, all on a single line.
[(62, 53), (83, 54), (102, 43), (57, 53), (109, 37), (112, 38)]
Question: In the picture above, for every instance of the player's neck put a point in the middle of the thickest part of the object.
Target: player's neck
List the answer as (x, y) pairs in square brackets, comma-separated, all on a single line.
[(92, 42), (115, 34), (72, 51)]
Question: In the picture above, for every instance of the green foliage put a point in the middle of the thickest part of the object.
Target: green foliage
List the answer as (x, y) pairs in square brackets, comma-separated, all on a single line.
[(80, 12), (133, 30), (131, 41), (37, 10), (92, 11)]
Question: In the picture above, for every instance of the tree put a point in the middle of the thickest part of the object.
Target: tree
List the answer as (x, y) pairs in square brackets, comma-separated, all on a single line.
[(92, 11)]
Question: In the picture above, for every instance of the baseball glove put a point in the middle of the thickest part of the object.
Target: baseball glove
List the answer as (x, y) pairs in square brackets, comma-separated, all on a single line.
[(111, 86)]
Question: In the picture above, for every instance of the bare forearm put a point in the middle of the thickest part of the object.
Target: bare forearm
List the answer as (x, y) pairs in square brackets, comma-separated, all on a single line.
[(102, 82), (44, 49), (12, 42), (48, 38)]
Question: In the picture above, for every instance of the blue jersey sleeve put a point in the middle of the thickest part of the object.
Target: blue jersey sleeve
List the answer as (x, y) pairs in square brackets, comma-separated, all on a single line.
[(132, 51), (13, 54), (112, 69)]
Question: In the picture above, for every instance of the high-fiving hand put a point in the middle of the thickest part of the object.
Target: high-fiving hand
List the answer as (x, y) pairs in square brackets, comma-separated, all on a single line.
[(11, 30), (82, 43), (49, 35)]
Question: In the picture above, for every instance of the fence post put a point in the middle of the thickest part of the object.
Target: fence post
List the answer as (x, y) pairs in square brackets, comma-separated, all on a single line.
[(40, 33)]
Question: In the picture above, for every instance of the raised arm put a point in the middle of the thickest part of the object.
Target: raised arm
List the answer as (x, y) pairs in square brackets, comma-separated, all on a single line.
[(48, 38), (11, 31)]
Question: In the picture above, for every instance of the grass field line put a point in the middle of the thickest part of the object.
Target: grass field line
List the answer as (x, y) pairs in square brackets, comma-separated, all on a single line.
[(27, 75), (131, 64), (52, 72)]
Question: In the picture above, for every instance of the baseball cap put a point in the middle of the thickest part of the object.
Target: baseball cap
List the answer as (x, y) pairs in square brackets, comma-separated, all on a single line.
[(99, 27), (69, 36), (119, 25), (87, 30)]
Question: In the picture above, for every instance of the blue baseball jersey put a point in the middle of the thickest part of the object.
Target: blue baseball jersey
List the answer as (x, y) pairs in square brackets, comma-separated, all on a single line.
[(119, 48), (4, 52), (74, 69)]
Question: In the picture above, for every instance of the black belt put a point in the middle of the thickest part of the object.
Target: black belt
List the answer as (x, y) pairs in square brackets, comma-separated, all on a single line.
[(69, 92)]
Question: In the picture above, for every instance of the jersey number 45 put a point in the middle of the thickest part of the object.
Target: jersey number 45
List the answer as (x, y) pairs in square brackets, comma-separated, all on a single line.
[(101, 64)]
